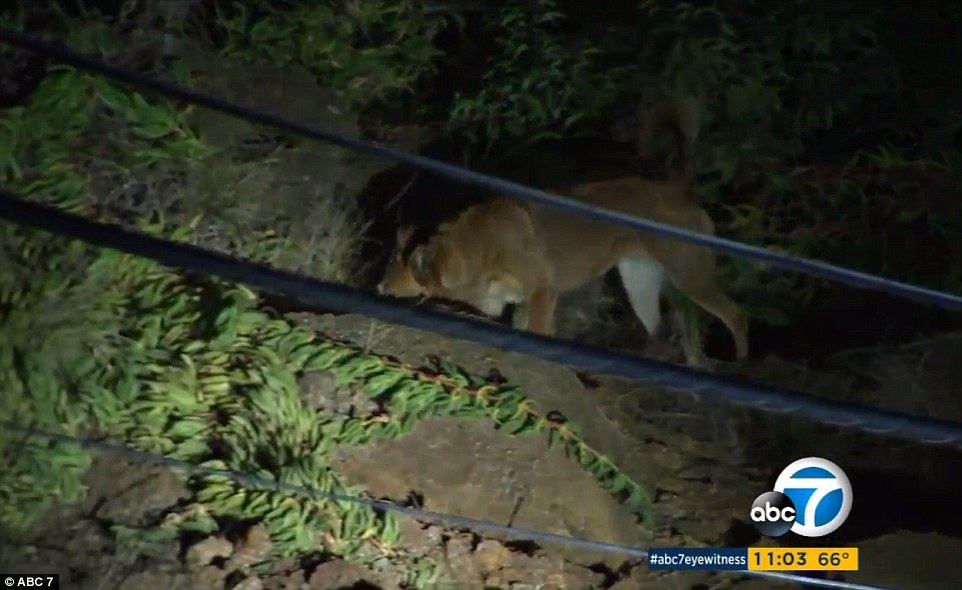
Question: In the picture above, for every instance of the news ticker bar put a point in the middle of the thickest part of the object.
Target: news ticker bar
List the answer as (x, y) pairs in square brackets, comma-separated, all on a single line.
[(45, 581), (770, 559)]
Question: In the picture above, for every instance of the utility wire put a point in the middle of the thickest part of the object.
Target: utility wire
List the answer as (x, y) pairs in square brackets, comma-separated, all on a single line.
[(251, 481), (947, 432), (58, 52), (319, 294)]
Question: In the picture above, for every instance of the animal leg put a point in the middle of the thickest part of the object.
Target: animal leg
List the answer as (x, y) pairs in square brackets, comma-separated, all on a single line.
[(537, 313), (690, 336), (718, 304)]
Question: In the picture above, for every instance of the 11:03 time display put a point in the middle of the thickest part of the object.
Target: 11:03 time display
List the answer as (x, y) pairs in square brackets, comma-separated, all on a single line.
[(803, 559), (779, 558)]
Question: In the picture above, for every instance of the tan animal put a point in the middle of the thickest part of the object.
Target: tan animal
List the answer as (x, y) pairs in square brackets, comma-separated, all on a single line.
[(488, 257), (506, 252)]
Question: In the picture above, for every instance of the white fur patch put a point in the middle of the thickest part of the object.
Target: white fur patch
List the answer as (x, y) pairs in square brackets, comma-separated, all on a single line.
[(498, 296), (643, 279)]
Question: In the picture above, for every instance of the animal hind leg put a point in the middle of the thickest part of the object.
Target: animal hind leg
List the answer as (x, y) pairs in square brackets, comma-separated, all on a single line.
[(690, 338), (719, 305)]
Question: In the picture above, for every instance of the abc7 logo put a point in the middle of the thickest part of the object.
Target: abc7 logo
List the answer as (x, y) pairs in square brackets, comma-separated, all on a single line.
[(812, 498)]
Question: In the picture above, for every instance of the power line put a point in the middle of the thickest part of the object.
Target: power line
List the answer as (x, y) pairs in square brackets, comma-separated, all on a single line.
[(59, 53), (319, 294), (255, 482), (794, 263), (925, 430)]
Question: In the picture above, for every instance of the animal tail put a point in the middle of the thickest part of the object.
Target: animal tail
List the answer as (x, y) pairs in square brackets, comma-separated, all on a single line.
[(682, 114)]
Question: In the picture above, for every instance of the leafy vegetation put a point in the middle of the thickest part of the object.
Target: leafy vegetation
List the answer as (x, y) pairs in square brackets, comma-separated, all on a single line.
[(805, 110), (532, 87), (806, 114), (98, 342), (371, 51)]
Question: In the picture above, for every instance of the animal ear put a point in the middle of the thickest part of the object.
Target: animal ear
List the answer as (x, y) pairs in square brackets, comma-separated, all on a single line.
[(404, 234), (421, 261)]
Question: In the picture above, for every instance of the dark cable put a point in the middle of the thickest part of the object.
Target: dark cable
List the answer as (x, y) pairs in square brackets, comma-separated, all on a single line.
[(320, 294), (57, 52), (251, 481)]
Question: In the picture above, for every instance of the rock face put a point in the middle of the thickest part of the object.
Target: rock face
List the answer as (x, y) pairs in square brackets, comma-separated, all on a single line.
[(552, 388), (468, 468), (691, 461), (611, 418)]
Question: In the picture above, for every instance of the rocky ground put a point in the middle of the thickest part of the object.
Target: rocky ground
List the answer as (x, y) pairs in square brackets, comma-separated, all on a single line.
[(703, 464), (702, 492)]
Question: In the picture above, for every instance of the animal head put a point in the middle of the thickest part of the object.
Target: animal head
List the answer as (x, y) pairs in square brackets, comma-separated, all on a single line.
[(429, 269), (452, 264)]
